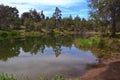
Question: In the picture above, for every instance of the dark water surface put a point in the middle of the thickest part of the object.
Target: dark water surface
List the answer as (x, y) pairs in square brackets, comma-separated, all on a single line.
[(43, 56)]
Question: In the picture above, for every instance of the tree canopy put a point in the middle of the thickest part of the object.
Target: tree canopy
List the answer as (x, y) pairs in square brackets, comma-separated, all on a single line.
[(8, 17), (37, 21), (105, 12)]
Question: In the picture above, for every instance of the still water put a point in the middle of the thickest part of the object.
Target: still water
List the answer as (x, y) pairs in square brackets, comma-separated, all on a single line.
[(32, 57)]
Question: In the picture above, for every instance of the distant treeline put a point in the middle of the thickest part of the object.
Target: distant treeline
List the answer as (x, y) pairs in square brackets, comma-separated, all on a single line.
[(104, 17), (37, 21)]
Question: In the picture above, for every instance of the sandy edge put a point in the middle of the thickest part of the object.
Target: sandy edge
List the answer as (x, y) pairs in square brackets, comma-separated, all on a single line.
[(92, 73)]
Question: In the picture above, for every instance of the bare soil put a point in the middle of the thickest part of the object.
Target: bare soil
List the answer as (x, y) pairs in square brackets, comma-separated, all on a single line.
[(111, 70)]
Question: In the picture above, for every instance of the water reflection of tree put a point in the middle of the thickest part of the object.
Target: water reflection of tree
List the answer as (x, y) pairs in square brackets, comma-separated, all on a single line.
[(8, 49), (100, 54), (11, 48), (57, 47)]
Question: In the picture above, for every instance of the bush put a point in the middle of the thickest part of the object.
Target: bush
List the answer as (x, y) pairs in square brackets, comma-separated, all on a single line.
[(102, 44), (14, 33), (9, 34), (88, 43), (4, 34)]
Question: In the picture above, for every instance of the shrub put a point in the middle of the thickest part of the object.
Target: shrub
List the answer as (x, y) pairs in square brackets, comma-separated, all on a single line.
[(102, 44), (14, 33), (4, 34)]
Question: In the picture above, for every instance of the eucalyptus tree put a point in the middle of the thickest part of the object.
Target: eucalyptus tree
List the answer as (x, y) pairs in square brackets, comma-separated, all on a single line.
[(77, 25), (8, 17), (35, 15), (57, 15), (25, 17), (77, 20), (33, 20), (42, 16), (68, 23), (105, 11)]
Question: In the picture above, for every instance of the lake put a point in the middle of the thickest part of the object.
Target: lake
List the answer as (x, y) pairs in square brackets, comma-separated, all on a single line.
[(50, 55)]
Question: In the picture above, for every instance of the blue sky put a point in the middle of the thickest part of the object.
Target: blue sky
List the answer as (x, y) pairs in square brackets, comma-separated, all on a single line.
[(68, 7)]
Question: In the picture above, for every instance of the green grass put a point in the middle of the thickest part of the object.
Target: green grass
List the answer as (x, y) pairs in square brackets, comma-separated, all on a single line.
[(8, 34), (88, 43), (33, 33), (11, 77), (22, 33), (7, 77), (104, 47), (17, 34)]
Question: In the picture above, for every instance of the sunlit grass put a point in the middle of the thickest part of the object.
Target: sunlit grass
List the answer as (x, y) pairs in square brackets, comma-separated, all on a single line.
[(88, 43), (103, 47)]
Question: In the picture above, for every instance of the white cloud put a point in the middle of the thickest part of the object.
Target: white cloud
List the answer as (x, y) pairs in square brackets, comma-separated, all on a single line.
[(26, 5), (45, 2)]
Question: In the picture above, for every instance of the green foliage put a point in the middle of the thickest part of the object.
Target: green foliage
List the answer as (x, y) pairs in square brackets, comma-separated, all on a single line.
[(102, 47), (88, 43), (57, 14), (117, 36), (35, 21), (7, 77), (8, 17), (92, 42), (4, 34), (31, 15), (14, 33), (114, 45), (9, 34), (105, 13), (32, 34), (102, 44)]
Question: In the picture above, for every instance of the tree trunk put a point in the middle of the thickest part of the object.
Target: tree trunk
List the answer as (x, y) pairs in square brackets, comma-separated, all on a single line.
[(113, 23)]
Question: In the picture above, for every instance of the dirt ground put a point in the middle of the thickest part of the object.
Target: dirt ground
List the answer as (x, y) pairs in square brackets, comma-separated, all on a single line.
[(111, 70)]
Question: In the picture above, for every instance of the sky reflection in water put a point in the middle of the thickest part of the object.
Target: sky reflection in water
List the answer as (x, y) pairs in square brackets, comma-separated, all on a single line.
[(48, 56)]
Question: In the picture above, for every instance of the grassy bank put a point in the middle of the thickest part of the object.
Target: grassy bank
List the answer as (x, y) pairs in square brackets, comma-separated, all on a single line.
[(17, 34), (9, 34), (87, 43), (103, 47), (23, 33)]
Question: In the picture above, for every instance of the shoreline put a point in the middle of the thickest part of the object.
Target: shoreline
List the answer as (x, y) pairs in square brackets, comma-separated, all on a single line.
[(110, 70)]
